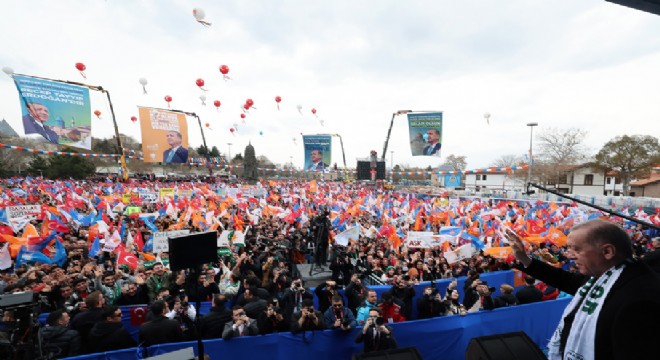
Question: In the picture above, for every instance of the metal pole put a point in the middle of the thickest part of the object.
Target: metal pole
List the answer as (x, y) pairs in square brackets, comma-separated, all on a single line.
[(392, 166), (229, 159), (529, 169), (122, 157), (209, 164)]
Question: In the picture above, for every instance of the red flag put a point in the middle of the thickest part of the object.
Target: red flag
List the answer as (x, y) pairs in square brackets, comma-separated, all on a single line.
[(138, 240), (7, 230), (127, 258), (138, 315)]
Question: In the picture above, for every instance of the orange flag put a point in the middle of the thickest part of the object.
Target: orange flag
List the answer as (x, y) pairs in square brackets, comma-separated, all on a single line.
[(313, 187), (499, 252), (557, 237)]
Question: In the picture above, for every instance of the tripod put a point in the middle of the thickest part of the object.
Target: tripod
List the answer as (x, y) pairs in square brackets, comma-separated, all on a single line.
[(320, 251)]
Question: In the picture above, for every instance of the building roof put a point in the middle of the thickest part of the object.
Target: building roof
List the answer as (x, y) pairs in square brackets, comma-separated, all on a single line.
[(643, 182)]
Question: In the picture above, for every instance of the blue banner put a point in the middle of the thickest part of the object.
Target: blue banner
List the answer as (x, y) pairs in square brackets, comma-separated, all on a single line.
[(453, 180), (318, 152), (58, 112), (425, 131)]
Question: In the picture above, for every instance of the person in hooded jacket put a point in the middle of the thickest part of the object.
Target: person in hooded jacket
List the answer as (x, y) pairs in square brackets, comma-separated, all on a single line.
[(58, 340), (110, 334), (507, 298)]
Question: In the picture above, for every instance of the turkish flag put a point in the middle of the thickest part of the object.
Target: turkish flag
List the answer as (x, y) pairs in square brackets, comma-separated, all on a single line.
[(139, 242), (127, 258), (138, 315)]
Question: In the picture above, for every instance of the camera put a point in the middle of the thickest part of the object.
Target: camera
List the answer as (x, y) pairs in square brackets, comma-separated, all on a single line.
[(380, 321), (345, 323), (406, 277)]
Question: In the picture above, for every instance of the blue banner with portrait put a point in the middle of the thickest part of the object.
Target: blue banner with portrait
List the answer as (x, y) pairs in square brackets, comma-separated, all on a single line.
[(318, 152), (452, 180), (425, 133), (58, 112)]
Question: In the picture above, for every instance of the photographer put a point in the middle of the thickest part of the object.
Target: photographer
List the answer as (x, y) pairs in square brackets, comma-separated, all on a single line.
[(320, 232), (241, 325), (293, 298), (376, 335), (355, 292), (272, 321), (324, 292), (341, 267), (430, 305), (58, 339), (307, 318), (339, 316), (478, 296)]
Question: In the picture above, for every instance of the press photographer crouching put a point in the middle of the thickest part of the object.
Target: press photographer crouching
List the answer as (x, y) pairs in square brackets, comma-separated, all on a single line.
[(376, 335), (339, 316), (271, 320), (307, 318)]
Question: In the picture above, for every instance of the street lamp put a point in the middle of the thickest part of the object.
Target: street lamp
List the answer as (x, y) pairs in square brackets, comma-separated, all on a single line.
[(531, 161), (229, 159)]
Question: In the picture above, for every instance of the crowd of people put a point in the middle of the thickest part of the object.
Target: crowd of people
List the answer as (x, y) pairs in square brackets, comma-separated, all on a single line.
[(91, 248)]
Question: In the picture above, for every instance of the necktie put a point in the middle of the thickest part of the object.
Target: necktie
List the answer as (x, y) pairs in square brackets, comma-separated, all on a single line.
[(169, 158)]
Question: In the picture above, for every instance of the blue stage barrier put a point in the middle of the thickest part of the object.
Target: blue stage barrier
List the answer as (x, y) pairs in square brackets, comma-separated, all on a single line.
[(494, 279), (437, 338)]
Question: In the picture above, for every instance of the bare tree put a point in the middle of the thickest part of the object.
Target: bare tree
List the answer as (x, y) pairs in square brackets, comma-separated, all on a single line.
[(507, 161), (457, 162), (559, 151)]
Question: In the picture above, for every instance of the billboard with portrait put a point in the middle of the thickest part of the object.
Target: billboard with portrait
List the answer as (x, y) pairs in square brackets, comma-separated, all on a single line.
[(55, 111), (164, 136), (318, 149), (425, 131)]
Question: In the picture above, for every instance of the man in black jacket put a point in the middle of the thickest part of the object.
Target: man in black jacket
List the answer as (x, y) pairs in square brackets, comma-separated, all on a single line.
[(616, 297), (529, 293), (293, 297), (430, 305), (212, 324), (84, 321), (160, 330), (110, 334), (404, 292), (376, 335), (356, 293), (134, 295), (58, 340), (307, 318)]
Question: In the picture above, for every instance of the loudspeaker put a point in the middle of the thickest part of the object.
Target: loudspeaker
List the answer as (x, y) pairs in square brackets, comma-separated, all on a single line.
[(188, 251), (364, 170), (509, 346), (408, 353)]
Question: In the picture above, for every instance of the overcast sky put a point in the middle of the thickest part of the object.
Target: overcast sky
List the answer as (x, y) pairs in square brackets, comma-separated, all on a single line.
[(588, 64)]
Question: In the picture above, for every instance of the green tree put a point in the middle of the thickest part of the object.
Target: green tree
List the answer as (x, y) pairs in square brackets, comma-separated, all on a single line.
[(202, 150), (70, 166), (631, 156), (38, 166), (215, 152), (249, 164)]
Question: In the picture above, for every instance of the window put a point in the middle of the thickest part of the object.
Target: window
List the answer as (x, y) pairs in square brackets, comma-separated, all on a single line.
[(563, 179), (478, 177), (483, 177), (617, 180), (609, 180), (589, 179)]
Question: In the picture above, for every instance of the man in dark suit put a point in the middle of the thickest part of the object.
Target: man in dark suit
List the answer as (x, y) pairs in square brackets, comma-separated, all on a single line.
[(241, 325), (213, 323), (176, 154), (110, 334), (84, 321), (376, 335), (316, 157), (616, 300), (530, 293), (160, 330), (33, 123), (433, 138), (307, 319)]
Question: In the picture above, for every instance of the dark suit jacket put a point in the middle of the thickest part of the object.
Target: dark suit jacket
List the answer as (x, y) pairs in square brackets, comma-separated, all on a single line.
[(160, 330), (229, 331), (213, 323), (30, 126), (434, 149), (180, 156), (308, 325), (382, 342), (627, 324), (317, 167), (529, 294)]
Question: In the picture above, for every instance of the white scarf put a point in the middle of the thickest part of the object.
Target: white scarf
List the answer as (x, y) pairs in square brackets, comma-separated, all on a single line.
[(580, 344)]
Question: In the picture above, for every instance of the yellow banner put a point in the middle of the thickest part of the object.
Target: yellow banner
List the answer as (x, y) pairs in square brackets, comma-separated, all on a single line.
[(164, 136), (166, 193), (126, 198)]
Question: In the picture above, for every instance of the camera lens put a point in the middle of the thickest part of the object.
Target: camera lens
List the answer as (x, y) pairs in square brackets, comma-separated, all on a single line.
[(380, 321)]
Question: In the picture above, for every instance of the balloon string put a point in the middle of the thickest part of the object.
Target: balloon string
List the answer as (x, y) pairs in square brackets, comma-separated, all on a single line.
[(144, 89), (205, 23), (278, 107), (83, 75), (203, 103), (226, 77)]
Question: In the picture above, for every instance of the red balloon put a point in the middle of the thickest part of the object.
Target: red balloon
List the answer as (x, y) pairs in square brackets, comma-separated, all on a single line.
[(246, 106), (232, 130), (97, 113), (224, 69), (313, 111), (249, 102), (208, 125), (168, 98), (216, 103), (242, 116), (133, 119), (278, 99), (200, 82), (81, 66)]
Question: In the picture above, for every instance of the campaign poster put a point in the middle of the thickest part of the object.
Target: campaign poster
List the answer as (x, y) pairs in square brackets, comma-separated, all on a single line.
[(425, 131), (164, 136), (58, 112), (318, 151), (452, 180)]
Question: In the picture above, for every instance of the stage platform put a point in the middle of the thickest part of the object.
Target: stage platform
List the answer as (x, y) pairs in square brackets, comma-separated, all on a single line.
[(316, 277)]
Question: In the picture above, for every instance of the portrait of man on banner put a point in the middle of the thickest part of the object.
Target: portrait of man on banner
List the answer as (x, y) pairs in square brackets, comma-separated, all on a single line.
[(425, 131), (164, 136), (317, 152), (46, 104)]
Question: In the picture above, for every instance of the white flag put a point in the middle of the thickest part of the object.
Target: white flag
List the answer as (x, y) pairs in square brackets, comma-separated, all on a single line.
[(344, 237)]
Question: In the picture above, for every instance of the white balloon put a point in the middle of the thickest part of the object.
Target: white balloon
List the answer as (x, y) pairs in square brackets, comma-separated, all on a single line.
[(7, 70), (299, 107), (143, 81), (199, 13), (202, 97)]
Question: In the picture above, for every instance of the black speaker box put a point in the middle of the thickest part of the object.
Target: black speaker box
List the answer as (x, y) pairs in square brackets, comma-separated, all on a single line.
[(408, 353), (509, 346), (188, 251), (364, 170)]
